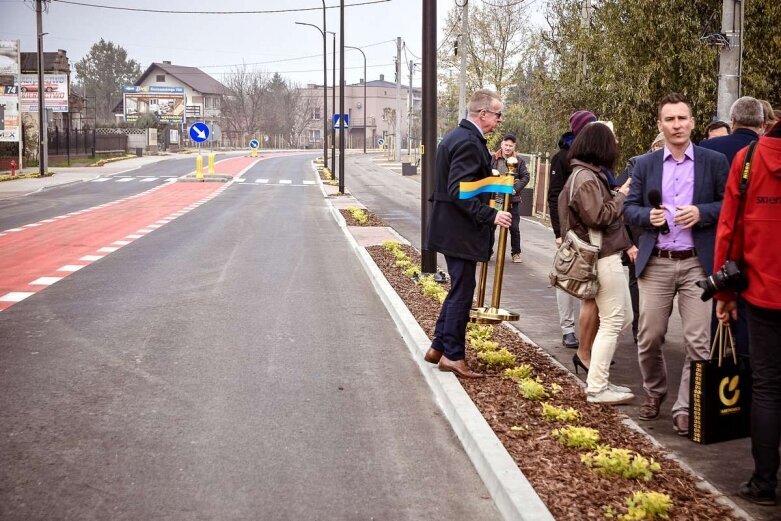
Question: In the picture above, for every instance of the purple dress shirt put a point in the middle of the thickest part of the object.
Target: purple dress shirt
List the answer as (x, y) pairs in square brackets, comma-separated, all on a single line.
[(677, 190)]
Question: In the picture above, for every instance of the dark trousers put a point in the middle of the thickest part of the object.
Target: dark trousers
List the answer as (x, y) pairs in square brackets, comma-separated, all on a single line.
[(634, 293), (764, 331), (450, 331), (515, 228)]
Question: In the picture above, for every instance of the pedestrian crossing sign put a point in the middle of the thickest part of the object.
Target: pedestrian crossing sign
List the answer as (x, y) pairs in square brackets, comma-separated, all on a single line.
[(341, 121)]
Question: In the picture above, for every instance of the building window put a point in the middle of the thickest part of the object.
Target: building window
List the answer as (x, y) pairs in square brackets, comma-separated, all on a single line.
[(316, 113), (212, 102), (160, 78), (314, 136)]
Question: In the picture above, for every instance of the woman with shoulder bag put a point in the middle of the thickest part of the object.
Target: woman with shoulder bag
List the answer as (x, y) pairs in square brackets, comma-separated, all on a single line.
[(589, 208)]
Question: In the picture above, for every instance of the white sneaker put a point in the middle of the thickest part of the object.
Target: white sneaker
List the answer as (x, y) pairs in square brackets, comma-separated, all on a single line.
[(619, 388), (610, 397), (517, 258)]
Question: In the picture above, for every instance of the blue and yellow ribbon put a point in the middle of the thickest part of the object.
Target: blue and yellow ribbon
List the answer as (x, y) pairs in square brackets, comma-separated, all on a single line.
[(493, 184)]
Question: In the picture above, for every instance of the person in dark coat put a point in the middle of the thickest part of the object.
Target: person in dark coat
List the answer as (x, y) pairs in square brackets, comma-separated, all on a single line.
[(462, 229), (748, 122), (499, 163)]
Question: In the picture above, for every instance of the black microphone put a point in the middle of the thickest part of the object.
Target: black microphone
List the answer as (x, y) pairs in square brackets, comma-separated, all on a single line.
[(655, 198)]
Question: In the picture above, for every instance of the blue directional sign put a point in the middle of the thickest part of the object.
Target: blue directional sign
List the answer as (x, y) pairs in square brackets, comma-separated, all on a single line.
[(341, 121), (380, 141), (199, 132), (254, 143)]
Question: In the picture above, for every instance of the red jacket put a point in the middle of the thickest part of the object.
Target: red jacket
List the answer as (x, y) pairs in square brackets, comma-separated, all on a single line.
[(756, 238)]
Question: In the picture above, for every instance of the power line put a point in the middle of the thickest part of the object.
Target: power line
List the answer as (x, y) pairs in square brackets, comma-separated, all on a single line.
[(171, 11)]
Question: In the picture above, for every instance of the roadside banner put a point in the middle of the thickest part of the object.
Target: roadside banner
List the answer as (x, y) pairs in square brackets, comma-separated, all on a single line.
[(165, 103), (55, 90), (10, 125)]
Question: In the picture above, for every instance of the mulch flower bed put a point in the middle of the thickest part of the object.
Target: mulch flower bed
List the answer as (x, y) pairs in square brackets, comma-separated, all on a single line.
[(568, 487), (371, 219)]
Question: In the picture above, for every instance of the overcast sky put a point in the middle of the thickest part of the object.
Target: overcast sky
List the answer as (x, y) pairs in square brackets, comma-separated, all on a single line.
[(214, 43)]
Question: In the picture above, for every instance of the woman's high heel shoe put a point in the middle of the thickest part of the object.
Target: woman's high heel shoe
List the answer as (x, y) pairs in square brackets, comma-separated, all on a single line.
[(577, 362)]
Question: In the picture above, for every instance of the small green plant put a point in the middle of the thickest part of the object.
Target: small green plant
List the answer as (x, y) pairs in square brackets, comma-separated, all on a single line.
[(559, 414), (481, 346), (412, 271), (358, 214), (532, 389), (391, 245), (519, 428), (403, 263), (647, 506), (479, 331), (501, 358), (555, 388), (333, 182), (326, 174), (578, 437), (518, 373), (620, 462), (431, 287), (441, 296)]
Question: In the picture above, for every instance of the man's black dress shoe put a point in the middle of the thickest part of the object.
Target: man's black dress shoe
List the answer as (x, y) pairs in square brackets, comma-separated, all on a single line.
[(750, 492)]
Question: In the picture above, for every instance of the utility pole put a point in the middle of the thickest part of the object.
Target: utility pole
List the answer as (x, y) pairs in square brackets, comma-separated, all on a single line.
[(341, 96), (397, 138), (333, 105), (730, 63), (410, 107), (428, 258), (585, 23), (42, 134), (463, 41)]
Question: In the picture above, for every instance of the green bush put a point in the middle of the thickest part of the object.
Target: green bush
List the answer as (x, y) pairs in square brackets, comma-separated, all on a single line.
[(501, 358), (518, 373), (577, 437), (553, 413), (482, 346), (644, 506), (620, 462), (479, 331), (532, 389)]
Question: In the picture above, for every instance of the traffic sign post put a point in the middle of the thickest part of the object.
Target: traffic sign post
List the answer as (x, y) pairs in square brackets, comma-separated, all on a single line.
[(341, 121), (199, 132), (254, 145)]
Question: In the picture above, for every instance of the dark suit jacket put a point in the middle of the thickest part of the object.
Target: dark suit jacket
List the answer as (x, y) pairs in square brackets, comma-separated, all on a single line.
[(461, 228), (731, 144), (710, 176)]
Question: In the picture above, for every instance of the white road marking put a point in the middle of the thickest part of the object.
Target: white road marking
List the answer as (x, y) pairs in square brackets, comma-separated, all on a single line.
[(108, 249), (91, 258), (45, 281), (133, 236), (101, 180), (121, 243), (148, 179), (261, 181), (285, 182), (124, 180), (71, 267), (16, 296), (309, 182)]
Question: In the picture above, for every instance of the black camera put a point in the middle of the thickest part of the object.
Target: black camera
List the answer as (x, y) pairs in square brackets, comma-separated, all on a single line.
[(727, 277)]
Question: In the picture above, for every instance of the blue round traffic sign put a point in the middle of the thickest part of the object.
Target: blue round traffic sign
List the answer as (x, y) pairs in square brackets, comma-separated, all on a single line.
[(380, 141), (199, 132), (254, 143)]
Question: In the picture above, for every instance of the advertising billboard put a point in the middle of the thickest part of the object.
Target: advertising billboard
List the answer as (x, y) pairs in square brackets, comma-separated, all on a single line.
[(10, 126), (55, 90), (166, 103)]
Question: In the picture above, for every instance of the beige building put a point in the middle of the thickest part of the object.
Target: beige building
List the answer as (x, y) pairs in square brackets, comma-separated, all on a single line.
[(380, 114)]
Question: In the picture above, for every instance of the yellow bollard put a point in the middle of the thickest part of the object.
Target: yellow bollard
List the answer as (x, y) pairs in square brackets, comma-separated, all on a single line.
[(199, 167), (254, 152), (211, 162)]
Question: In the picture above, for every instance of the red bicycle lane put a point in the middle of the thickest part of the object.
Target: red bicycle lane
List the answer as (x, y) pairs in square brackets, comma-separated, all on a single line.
[(40, 254)]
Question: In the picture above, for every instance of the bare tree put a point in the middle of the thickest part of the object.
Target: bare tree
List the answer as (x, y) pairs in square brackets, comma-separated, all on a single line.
[(298, 110), (243, 101)]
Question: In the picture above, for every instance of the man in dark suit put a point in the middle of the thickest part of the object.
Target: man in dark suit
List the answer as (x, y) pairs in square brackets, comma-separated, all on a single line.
[(462, 229), (748, 122), (690, 181)]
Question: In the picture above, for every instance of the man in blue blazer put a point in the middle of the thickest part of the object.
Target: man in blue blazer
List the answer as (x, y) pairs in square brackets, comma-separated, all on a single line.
[(748, 122), (462, 229), (675, 196)]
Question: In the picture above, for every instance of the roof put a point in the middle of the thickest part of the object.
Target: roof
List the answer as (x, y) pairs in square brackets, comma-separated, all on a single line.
[(193, 77), (53, 62)]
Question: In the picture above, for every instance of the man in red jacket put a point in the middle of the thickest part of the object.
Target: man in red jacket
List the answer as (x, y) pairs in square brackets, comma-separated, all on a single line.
[(752, 243)]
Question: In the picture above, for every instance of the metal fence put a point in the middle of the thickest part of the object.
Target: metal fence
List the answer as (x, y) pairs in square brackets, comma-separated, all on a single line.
[(74, 142)]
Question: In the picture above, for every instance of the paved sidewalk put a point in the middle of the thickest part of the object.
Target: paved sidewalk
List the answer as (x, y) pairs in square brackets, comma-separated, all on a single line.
[(526, 290)]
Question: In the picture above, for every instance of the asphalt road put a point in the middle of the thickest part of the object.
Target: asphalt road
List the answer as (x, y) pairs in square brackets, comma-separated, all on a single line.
[(526, 290), (233, 364)]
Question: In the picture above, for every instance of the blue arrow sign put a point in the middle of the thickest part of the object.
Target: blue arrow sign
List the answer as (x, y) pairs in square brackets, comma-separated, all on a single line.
[(254, 143), (199, 132), (341, 121)]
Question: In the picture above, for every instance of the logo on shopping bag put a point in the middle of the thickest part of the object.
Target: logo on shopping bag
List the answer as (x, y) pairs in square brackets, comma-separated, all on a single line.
[(731, 386)]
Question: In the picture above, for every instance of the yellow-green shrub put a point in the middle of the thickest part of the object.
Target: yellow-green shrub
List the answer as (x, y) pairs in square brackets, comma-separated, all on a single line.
[(578, 437), (620, 462), (532, 389), (484, 345), (553, 413), (501, 358), (518, 373)]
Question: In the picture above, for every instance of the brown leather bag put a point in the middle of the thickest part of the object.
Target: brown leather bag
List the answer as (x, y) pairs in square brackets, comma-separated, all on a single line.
[(575, 263)]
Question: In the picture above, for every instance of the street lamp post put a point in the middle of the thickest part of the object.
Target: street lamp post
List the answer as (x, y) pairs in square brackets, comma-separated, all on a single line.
[(333, 103), (325, 87), (364, 93)]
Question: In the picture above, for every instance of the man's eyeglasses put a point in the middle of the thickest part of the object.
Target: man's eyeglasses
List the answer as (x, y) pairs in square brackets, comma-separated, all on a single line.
[(498, 114)]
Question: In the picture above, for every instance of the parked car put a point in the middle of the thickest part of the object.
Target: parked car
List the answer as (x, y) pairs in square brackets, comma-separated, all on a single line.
[(33, 87)]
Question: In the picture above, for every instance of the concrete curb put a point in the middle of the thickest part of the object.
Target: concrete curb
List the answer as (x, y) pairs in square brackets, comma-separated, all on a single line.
[(512, 493)]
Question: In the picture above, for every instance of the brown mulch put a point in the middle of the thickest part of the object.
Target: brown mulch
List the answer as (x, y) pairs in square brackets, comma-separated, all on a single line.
[(371, 219), (569, 488)]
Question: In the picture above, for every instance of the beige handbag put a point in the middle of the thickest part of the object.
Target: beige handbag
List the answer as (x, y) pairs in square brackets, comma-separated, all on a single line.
[(575, 263)]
